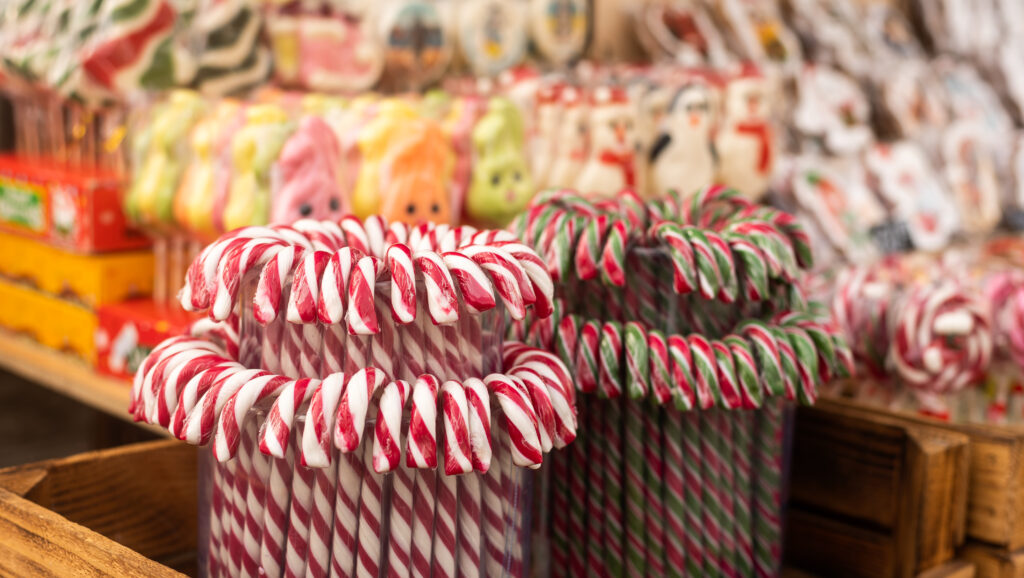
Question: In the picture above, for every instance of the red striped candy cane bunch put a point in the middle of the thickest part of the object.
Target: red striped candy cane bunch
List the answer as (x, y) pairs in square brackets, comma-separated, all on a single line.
[(394, 433)]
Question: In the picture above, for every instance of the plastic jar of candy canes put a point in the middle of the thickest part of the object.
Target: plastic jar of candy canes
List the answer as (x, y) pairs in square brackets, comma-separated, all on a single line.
[(363, 415)]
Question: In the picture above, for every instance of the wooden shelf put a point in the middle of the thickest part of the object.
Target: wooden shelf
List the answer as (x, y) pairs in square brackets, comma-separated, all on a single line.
[(66, 375)]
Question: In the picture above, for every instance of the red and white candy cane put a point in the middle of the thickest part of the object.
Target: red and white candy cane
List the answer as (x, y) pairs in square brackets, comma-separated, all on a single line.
[(199, 425), (375, 227), (398, 232), (442, 301), (536, 272), (143, 381), (475, 286), (355, 235), (276, 432), (403, 283), (305, 291), (368, 559), (478, 402), (236, 412), (508, 276), (323, 235), (457, 457), (520, 418), (362, 314), (942, 339), (353, 407), (333, 296), (239, 261), (200, 280), (167, 397), (387, 448), (194, 390), (320, 416), (276, 273)]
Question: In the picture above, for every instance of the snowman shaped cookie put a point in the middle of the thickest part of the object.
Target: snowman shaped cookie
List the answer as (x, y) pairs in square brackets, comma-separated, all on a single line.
[(611, 164), (681, 158), (745, 142), (832, 110)]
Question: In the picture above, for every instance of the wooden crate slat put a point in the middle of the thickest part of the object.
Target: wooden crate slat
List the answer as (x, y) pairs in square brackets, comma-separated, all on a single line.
[(140, 498), (38, 542)]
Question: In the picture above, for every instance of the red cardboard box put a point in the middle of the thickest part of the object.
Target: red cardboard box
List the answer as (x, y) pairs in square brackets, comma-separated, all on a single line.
[(77, 209), (128, 331)]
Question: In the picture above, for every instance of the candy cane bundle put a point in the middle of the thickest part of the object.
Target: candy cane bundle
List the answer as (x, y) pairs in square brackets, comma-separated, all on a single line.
[(675, 316), (369, 448), (920, 344)]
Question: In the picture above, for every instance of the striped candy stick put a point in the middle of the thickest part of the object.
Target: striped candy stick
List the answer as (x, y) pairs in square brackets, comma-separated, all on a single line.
[(559, 507), (321, 521), (213, 560), (276, 511), (677, 534), (743, 482), (421, 453), (767, 505), (613, 255), (753, 276), (255, 497), (298, 521), (727, 491), (369, 552), (387, 457), (577, 491), (458, 460), (634, 484), (596, 548), (228, 537), (344, 542), (697, 540), (493, 505), (712, 510)]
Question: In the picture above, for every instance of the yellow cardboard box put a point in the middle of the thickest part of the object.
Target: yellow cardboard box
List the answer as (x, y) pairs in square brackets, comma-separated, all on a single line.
[(91, 280), (53, 322)]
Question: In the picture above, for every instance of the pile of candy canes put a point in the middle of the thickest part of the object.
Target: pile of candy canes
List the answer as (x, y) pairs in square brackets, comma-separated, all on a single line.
[(664, 308), (922, 345), (377, 326)]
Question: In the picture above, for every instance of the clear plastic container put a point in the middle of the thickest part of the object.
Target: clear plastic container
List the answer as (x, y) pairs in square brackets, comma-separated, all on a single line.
[(261, 515)]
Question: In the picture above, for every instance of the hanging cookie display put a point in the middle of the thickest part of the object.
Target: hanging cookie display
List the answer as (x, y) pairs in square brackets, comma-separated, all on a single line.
[(831, 112), (417, 43), (907, 182), (492, 34), (680, 31), (761, 35), (560, 29), (970, 169)]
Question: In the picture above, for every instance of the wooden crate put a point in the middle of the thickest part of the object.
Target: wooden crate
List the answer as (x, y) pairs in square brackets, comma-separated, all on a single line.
[(995, 504), (994, 562), (128, 511), (874, 495)]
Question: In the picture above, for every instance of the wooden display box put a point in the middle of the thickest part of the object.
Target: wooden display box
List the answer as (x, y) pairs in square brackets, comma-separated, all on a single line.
[(874, 494), (995, 503), (128, 512)]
